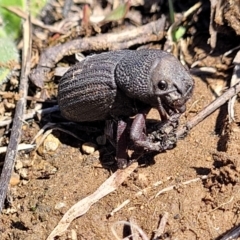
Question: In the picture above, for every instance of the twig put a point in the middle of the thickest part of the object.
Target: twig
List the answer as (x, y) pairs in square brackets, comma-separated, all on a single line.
[(81, 207), (139, 193), (167, 189), (232, 234), (17, 121), (123, 204), (150, 32), (22, 146), (221, 205), (192, 9), (213, 106)]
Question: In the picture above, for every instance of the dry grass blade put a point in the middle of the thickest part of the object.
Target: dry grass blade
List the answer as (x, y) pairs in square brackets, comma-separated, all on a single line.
[(19, 112), (84, 205)]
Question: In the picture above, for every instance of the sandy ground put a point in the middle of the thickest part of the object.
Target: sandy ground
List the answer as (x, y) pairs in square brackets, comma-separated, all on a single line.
[(205, 209)]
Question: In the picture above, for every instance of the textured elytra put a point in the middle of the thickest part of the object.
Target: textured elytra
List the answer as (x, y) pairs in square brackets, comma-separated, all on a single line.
[(122, 83), (88, 90)]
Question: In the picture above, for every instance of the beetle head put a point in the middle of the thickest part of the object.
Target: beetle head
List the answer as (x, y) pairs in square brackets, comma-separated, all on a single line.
[(172, 85)]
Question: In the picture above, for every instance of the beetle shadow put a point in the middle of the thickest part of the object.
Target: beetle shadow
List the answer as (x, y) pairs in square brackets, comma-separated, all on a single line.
[(92, 132)]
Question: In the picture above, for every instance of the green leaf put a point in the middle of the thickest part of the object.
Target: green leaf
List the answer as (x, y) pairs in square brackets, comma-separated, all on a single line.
[(178, 33), (8, 58), (11, 22), (118, 13), (9, 32), (36, 6)]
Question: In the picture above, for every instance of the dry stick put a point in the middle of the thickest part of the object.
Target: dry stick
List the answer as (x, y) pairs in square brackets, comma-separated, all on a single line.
[(150, 32), (161, 226), (234, 233), (213, 106), (23, 146), (17, 122), (167, 189)]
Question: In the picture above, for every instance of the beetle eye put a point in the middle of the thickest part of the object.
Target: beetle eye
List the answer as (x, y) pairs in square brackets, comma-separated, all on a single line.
[(162, 85)]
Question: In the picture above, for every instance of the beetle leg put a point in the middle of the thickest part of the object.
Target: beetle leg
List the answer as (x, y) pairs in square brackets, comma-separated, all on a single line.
[(122, 143), (138, 134), (109, 131), (138, 128)]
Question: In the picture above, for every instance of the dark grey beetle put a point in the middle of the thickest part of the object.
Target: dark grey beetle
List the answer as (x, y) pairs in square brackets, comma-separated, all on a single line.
[(119, 84)]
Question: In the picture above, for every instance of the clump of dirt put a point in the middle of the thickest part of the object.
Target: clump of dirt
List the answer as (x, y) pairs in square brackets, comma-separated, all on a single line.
[(232, 14), (224, 180)]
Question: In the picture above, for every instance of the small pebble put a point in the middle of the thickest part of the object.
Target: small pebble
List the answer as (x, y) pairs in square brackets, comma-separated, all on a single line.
[(142, 178), (18, 165), (15, 179), (89, 147), (27, 163), (24, 127), (23, 173), (50, 145), (96, 154), (14, 82), (9, 105), (60, 205), (209, 159), (25, 182)]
